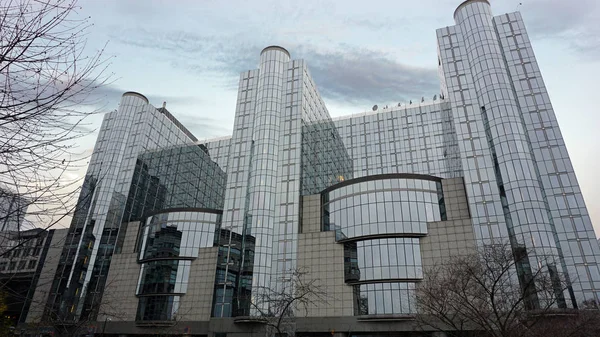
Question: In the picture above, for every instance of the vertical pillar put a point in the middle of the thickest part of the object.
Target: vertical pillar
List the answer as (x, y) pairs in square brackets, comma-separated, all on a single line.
[(106, 166), (264, 163), (529, 225)]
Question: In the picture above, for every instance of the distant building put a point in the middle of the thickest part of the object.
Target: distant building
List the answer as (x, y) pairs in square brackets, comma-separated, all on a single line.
[(13, 208), (24, 264)]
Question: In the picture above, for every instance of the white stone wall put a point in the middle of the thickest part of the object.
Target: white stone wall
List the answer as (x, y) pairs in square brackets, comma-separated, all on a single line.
[(446, 239), (40, 297), (454, 237), (196, 304), (455, 198), (119, 302), (323, 259)]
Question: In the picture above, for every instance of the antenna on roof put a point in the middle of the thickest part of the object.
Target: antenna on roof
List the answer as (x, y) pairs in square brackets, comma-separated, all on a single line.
[(375, 107)]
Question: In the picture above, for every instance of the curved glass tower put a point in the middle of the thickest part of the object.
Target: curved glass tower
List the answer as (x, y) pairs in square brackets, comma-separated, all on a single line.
[(284, 145), (519, 179), (135, 127)]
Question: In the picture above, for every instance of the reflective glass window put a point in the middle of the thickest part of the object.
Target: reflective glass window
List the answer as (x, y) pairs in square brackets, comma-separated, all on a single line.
[(384, 206), (379, 259), (384, 298), (164, 276), (157, 308), (178, 234)]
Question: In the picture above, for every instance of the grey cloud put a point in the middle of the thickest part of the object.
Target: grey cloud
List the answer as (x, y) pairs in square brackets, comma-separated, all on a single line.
[(179, 106), (374, 25), (203, 127), (367, 76), (347, 74), (157, 100), (385, 22), (222, 51), (587, 43), (551, 17), (107, 96), (572, 23)]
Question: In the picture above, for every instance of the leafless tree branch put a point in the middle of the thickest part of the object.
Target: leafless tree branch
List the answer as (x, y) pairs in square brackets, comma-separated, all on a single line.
[(277, 306), (47, 80), (484, 293)]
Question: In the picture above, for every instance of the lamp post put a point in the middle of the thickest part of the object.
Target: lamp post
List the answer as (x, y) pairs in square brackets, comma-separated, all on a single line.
[(104, 326)]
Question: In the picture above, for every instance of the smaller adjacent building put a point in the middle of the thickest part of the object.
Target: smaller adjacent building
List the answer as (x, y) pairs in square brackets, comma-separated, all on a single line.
[(25, 258), (13, 208)]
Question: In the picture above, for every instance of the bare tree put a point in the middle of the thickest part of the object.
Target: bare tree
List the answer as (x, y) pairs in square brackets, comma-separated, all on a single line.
[(278, 306), (47, 81), (484, 293), (4, 322)]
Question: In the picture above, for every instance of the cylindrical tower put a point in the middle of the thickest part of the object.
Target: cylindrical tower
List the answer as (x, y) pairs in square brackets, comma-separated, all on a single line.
[(103, 216), (264, 159), (529, 224)]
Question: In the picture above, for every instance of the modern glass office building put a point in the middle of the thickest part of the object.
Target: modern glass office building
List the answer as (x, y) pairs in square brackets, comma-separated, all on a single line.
[(134, 128), (519, 179), (185, 236)]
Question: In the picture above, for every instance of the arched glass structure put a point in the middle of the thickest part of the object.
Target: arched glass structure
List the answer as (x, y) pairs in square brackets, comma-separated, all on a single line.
[(168, 243), (382, 205), (379, 219)]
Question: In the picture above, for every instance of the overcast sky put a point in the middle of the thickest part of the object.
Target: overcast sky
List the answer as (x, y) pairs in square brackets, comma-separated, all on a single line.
[(361, 53)]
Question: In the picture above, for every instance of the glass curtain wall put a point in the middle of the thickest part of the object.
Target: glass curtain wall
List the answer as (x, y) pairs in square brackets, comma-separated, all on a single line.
[(379, 219), (168, 244)]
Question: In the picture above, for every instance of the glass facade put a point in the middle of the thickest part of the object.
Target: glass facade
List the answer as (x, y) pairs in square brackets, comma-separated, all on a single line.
[(233, 279), (158, 308), (325, 160), (134, 128), (385, 299), (163, 277), (573, 229), (418, 138), (13, 208), (266, 191), (379, 220), (386, 205), (523, 206), (235, 218), (459, 135), (178, 233), (178, 176), (520, 182), (391, 258), (284, 145), (168, 243)]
